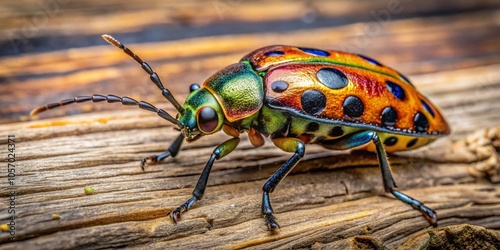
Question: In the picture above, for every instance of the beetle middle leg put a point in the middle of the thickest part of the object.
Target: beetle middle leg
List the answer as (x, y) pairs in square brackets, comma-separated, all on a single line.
[(220, 151), (288, 145)]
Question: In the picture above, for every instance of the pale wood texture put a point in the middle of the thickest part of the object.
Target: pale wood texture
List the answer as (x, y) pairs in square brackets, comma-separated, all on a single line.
[(332, 200)]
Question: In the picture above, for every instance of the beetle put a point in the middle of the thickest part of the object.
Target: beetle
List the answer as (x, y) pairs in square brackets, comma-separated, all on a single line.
[(296, 96)]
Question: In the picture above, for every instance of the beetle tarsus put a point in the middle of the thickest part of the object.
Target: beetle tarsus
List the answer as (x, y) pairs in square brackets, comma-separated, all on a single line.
[(429, 214), (271, 222), (176, 213), (149, 160)]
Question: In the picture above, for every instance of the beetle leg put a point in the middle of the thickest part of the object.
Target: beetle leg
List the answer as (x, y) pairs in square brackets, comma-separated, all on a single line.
[(362, 138), (220, 151), (172, 151), (288, 145), (390, 184)]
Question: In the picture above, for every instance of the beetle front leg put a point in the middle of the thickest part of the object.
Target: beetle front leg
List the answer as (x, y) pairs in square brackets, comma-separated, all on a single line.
[(220, 151), (172, 151), (390, 184), (288, 145)]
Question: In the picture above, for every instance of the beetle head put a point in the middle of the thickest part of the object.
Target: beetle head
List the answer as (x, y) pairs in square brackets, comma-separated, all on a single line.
[(202, 115)]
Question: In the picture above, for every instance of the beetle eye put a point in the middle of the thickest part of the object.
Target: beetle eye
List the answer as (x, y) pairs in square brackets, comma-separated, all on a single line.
[(207, 119), (193, 87)]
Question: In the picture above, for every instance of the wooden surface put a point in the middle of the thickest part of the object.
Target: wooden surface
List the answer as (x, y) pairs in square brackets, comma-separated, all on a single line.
[(332, 200)]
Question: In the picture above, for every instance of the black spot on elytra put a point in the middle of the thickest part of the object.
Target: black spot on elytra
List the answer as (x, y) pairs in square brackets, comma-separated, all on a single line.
[(391, 141), (389, 116), (396, 90), (412, 143), (332, 78), (313, 101), (420, 122), (336, 131), (274, 53), (312, 127), (353, 107), (315, 52), (279, 86)]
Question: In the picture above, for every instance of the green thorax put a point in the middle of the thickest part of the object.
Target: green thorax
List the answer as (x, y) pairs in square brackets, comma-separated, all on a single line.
[(238, 89)]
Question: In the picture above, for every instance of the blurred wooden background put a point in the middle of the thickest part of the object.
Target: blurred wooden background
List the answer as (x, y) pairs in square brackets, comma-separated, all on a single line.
[(52, 50)]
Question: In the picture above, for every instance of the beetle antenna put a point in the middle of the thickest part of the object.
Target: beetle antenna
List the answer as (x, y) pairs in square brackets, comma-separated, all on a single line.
[(145, 66), (110, 99)]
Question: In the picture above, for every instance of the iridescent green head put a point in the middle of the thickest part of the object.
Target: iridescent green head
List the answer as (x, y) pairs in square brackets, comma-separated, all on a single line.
[(202, 115)]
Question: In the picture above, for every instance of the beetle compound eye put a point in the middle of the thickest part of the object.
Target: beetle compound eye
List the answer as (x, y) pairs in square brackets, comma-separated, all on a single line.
[(207, 119)]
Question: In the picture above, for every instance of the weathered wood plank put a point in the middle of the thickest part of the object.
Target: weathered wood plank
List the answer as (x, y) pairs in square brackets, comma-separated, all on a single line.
[(316, 200)]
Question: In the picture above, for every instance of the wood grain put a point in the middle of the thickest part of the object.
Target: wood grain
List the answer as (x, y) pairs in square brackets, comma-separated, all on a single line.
[(332, 200)]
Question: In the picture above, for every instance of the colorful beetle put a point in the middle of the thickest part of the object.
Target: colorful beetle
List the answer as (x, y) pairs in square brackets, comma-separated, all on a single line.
[(297, 96)]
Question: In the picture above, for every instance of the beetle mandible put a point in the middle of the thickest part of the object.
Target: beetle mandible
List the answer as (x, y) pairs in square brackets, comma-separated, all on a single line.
[(296, 96)]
